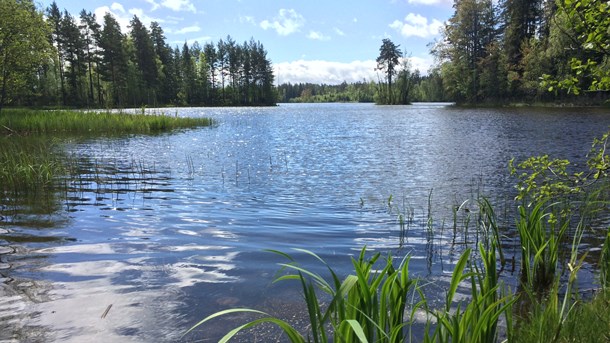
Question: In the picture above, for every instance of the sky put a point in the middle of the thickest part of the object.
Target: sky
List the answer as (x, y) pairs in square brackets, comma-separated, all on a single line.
[(306, 40)]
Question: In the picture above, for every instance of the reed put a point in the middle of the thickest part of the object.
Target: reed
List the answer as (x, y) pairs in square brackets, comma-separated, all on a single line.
[(548, 315), (478, 320), (23, 121), (604, 264), (379, 305), (28, 165), (540, 234), (368, 306)]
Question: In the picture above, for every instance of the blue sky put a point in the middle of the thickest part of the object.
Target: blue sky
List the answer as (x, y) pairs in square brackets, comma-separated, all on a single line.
[(307, 41)]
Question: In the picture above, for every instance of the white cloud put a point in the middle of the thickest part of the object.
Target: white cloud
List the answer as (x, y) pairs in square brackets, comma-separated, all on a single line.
[(155, 5), (317, 36), (423, 64), (339, 32), (188, 29), (173, 20), (317, 71), (418, 26), (123, 17), (448, 3), (179, 5), (247, 19), (117, 7), (287, 22), (190, 42)]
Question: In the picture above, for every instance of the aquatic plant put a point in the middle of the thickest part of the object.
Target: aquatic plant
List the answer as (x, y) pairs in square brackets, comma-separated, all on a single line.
[(381, 305), (604, 263), (540, 236), (368, 306), (28, 165), (478, 320), (23, 121)]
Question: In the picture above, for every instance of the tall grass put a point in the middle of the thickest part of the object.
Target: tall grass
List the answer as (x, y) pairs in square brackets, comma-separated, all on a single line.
[(22, 121), (380, 305), (28, 165), (541, 234), (368, 306), (478, 320), (604, 263)]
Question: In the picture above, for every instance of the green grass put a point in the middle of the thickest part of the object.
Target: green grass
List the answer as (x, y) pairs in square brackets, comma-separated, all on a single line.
[(22, 121), (378, 303), (28, 164), (541, 235), (589, 321), (368, 306)]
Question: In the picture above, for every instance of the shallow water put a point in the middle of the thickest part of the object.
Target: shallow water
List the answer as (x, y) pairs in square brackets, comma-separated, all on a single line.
[(160, 231)]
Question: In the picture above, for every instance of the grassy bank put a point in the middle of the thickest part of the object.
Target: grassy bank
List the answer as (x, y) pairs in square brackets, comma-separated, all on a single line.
[(23, 121), (30, 162)]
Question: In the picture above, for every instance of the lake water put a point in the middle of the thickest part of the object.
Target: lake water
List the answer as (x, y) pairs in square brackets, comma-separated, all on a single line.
[(161, 231)]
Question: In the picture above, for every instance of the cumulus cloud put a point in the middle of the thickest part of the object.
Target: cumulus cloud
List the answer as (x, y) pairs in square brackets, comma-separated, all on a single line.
[(179, 5), (416, 25), (339, 32), (423, 64), (175, 5), (317, 71), (448, 3), (117, 7), (188, 29), (287, 22), (247, 19), (317, 36), (123, 17), (154, 4), (120, 15)]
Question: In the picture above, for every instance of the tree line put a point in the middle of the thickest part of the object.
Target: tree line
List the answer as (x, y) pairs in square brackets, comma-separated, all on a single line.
[(422, 88), (525, 50), (497, 52), (51, 58)]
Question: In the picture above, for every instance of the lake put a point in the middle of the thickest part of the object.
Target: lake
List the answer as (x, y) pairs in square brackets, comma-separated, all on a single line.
[(157, 232)]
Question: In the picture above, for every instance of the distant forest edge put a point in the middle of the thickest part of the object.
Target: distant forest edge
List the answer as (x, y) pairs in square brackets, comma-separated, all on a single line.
[(494, 53), (490, 52), (51, 58)]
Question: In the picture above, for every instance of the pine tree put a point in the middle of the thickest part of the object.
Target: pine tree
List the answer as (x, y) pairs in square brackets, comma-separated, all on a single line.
[(387, 62), (91, 32), (114, 66), (55, 18), (145, 58), (73, 49)]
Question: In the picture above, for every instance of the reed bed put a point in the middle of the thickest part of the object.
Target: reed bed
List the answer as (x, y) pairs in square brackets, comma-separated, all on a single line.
[(29, 161), (23, 121), (28, 165)]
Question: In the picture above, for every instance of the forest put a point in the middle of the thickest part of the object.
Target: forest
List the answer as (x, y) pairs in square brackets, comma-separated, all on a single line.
[(490, 52), (495, 52), (51, 58)]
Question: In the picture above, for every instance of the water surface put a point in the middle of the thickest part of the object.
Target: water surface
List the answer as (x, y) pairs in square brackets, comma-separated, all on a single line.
[(160, 231)]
